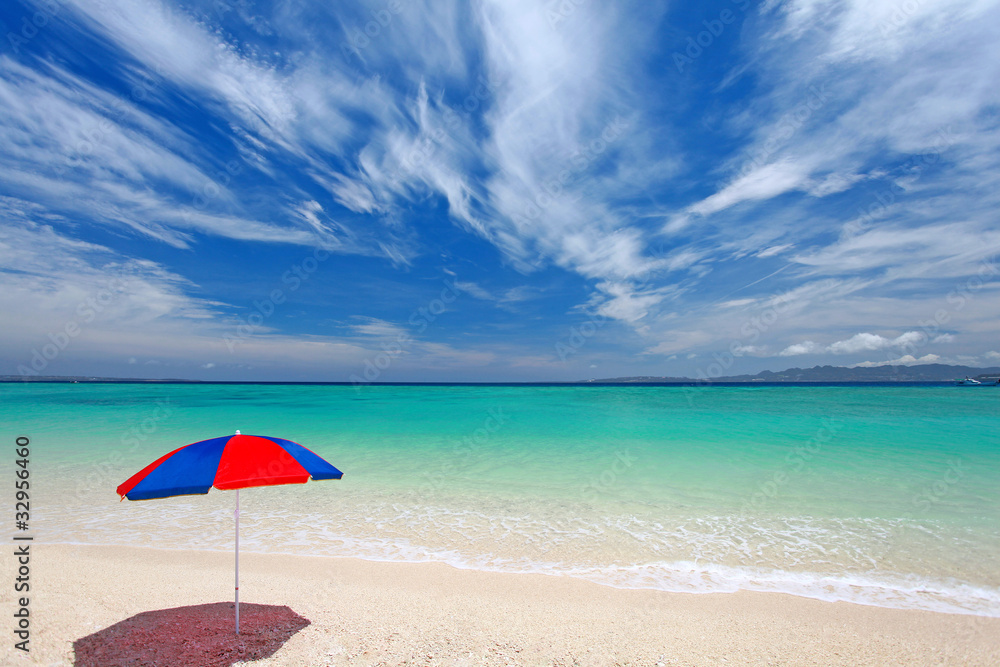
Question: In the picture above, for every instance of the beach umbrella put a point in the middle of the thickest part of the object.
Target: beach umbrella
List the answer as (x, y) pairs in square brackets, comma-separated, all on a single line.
[(230, 462)]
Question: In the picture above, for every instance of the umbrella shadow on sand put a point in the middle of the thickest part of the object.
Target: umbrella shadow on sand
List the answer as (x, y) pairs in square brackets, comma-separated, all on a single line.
[(196, 636)]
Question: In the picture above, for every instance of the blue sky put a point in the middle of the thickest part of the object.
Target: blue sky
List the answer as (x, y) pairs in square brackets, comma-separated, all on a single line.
[(402, 190)]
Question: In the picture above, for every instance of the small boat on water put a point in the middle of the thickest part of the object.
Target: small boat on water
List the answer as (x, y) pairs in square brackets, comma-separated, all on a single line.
[(973, 382)]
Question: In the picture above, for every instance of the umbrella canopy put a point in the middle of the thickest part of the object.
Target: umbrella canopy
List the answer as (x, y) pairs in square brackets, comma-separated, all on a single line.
[(229, 462)]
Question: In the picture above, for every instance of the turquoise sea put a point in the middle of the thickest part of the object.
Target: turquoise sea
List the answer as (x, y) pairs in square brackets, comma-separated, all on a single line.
[(884, 495)]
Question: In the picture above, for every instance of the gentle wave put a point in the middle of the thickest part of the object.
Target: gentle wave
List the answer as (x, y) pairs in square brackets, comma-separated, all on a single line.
[(892, 591), (825, 559)]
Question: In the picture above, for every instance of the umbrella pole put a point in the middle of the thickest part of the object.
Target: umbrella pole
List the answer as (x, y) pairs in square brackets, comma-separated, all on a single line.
[(237, 561)]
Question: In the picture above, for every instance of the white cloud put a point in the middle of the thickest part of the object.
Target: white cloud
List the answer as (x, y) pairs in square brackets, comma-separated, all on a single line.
[(858, 31), (833, 183), (752, 350), (676, 341), (84, 290), (352, 194), (828, 115), (862, 342), (905, 360), (947, 250), (805, 347), (372, 326), (557, 112), (736, 303), (626, 303), (774, 250), (760, 183), (98, 304), (102, 158), (173, 44), (474, 289), (558, 163), (107, 158), (520, 293)]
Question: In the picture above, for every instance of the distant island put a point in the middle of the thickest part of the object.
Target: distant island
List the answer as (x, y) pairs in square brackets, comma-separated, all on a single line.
[(918, 373), (88, 378)]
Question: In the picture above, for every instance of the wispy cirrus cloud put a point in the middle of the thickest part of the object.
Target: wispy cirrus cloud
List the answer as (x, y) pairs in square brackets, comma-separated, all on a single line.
[(63, 282), (87, 300), (827, 129), (835, 160), (820, 124)]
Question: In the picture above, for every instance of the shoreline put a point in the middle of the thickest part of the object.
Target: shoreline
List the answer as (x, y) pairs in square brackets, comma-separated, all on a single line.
[(367, 613), (866, 592)]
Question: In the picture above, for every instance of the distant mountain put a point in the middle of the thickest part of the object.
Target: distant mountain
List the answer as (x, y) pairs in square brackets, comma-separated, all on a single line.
[(920, 373)]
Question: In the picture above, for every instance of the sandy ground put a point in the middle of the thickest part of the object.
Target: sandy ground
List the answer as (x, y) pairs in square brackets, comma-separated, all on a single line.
[(364, 613)]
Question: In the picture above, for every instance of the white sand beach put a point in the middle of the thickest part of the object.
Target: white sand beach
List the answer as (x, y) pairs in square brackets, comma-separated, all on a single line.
[(370, 613)]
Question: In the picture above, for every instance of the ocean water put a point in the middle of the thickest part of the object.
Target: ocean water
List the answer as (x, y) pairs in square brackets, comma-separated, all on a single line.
[(884, 495)]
